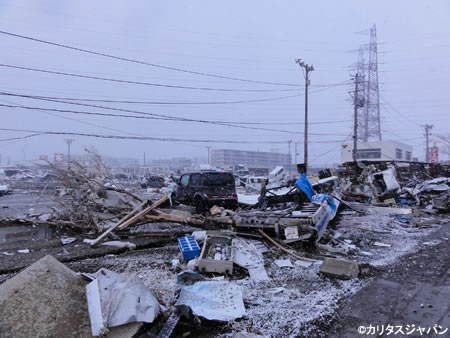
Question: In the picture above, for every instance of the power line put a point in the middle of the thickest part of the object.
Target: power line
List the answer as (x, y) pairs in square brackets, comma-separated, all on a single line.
[(396, 111), (56, 98), (154, 116), (142, 117), (140, 138), (71, 119), (168, 102), (332, 149), (220, 123), (41, 70), (142, 83), (143, 62), (325, 87)]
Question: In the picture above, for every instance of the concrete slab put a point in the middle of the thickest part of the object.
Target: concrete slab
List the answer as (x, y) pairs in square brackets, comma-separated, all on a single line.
[(339, 268), (45, 299)]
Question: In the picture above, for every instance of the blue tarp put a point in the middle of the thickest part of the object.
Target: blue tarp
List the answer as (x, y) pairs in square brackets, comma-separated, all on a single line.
[(319, 198), (305, 186)]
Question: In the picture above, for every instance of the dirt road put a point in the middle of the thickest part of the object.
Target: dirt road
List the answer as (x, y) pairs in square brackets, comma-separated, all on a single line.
[(414, 291)]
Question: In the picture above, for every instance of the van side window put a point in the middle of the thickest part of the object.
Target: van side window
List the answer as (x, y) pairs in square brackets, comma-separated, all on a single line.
[(195, 179), (184, 180)]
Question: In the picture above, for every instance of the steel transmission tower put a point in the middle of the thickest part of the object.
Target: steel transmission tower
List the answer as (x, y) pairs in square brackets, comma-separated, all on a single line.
[(360, 97), (369, 125)]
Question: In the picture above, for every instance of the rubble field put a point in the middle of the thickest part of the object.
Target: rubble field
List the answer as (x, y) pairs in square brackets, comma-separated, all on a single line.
[(129, 254), (296, 300)]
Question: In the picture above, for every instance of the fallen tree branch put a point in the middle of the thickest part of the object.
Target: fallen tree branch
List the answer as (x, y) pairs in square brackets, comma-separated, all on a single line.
[(123, 191)]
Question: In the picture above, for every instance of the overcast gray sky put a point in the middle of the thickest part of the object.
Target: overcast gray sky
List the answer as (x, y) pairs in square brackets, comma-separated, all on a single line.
[(257, 40)]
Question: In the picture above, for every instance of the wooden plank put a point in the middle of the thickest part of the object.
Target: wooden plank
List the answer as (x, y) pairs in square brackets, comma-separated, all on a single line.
[(289, 252), (131, 220), (143, 213), (166, 217), (174, 218), (127, 216)]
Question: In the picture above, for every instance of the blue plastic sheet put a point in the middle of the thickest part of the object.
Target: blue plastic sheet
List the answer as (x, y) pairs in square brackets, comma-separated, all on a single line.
[(305, 186), (319, 198)]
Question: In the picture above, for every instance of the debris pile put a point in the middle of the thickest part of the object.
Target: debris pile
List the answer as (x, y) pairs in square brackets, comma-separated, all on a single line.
[(398, 183), (432, 194), (238, 270), (91, 198)]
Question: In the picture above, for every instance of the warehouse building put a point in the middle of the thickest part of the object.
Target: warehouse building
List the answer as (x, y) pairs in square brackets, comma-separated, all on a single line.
[(223, 158), (377, 151)]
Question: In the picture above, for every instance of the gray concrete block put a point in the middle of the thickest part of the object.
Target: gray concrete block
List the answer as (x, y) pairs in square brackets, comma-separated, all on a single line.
[(46, 299), (339, 268)]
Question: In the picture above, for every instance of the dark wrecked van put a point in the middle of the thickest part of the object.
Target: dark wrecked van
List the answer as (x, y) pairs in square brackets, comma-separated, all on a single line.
[(205, 189)]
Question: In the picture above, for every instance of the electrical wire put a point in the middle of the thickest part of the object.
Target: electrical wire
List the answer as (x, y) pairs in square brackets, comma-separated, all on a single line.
[(168, 102), (139, 138), (395, 111), (160, 102), (332, 149), (40, 70), (99, 78), (154, 116), (145, 63), (144, 117)]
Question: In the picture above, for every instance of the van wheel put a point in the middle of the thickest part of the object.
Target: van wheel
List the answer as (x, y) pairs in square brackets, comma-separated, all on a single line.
[(199, 205)]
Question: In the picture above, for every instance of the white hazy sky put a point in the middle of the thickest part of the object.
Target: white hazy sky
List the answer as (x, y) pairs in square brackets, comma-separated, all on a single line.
[(253, 39)]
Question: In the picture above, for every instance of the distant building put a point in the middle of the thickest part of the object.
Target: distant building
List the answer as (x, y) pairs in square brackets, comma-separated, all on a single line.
[(377, 151), (251, 159), (175, 164)]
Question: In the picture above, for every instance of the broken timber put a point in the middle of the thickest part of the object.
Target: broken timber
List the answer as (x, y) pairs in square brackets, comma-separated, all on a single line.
[(174, 218), (271, 240), (127, 220)]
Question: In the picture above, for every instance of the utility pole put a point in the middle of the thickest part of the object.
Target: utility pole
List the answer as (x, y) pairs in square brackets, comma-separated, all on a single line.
[(355, 120), (427, 135), (209, 162), (306, 70), (69, 141), (289, 145), (295, 154)]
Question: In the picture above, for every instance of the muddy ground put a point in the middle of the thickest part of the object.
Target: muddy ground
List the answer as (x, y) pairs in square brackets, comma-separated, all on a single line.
[(410, 270)]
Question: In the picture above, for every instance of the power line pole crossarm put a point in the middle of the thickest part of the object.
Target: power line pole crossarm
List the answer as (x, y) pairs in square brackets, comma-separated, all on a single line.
[(306, 70)]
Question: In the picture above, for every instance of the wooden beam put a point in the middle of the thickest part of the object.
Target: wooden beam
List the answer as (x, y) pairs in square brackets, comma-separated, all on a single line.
[(130, 214), (125, 224), (143, 213)]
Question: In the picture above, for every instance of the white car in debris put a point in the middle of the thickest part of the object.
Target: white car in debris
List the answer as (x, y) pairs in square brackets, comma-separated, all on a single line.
[(4, 188)]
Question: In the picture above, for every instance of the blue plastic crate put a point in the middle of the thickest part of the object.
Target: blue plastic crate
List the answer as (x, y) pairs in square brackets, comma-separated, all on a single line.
[(188, 247)]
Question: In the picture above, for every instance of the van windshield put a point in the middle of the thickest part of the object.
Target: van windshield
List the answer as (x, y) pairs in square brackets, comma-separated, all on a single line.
[(218, 179)]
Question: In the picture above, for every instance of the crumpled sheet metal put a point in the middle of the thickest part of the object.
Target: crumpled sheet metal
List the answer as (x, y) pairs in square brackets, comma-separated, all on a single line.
[(213, 300), (248, 256), (114, 300)]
